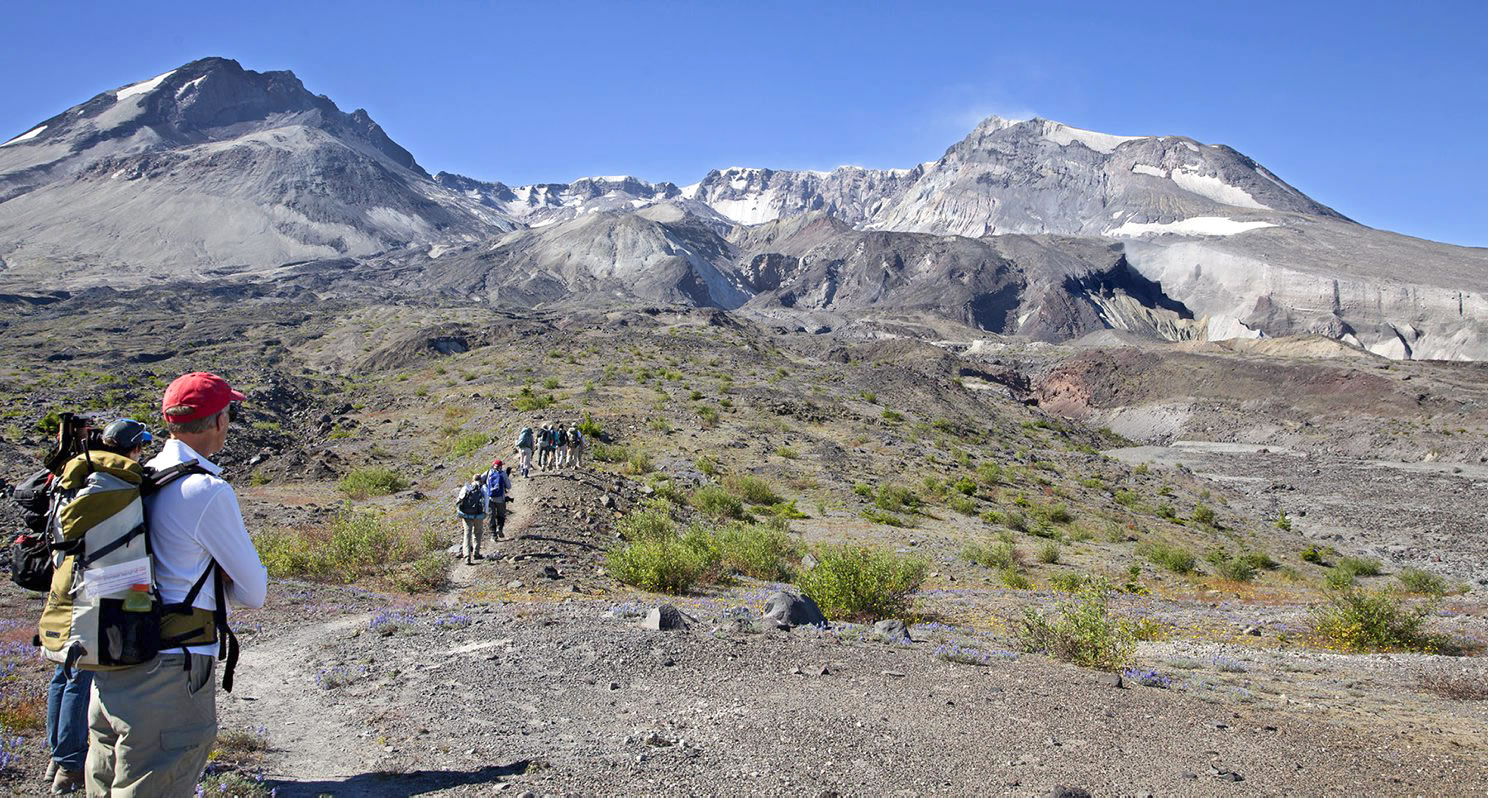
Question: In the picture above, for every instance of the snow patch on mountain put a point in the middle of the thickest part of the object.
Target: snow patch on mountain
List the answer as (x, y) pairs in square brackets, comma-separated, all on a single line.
[(1196, 226), (1216, 189), (1064, 135), (1144, 169), (143, 87), (27, 136)]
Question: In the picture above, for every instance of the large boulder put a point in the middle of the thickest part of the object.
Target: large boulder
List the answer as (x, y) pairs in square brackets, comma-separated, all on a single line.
[(891, 630), (666, 618), (787, 610)]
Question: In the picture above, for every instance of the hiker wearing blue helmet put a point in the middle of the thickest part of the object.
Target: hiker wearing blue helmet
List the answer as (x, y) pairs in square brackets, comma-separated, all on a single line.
[(67, 699)]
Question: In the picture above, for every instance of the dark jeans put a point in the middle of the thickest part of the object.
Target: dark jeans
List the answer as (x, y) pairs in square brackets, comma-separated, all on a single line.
[(67, 717), (497, 519)]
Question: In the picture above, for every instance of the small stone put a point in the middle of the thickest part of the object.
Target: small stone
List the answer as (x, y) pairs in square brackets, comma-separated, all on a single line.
[(516, 584), (614, 685), (1062, 791), (896, 674), (891, 630), (823, 671), (1253, 631), (1110, 680), (666, 618)]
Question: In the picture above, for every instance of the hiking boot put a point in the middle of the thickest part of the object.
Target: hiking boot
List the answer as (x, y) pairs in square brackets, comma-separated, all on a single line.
[(67, 781), (51, 770), (479, 556)]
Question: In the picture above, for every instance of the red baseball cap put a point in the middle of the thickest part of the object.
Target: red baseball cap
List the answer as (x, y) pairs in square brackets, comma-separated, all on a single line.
[(496, 463), (206, 394)]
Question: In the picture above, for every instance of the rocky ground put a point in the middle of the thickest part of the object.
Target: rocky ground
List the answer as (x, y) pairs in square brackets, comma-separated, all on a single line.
[(529, 671)]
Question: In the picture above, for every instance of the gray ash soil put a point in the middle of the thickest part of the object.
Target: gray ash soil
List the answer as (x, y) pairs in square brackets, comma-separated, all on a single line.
[(568, 699)]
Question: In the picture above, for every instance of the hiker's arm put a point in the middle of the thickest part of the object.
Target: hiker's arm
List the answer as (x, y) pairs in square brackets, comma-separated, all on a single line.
[(222, 533)]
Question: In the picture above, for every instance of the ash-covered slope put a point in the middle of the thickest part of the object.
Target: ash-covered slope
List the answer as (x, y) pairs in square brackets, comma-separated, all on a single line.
[(210, 165)]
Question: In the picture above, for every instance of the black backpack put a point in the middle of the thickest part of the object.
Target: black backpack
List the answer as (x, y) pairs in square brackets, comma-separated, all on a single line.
[(471, 501), (30, 553)]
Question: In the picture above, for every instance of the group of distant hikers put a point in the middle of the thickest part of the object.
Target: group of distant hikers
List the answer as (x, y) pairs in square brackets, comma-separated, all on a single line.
[(141, 561), (481, 502)]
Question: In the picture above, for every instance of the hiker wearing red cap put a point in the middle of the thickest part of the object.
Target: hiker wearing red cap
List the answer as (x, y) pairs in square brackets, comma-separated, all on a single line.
[(152, 726), (498, 493)]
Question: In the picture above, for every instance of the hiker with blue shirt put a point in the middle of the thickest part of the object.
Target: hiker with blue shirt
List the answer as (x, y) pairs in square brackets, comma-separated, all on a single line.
[(498, 493)]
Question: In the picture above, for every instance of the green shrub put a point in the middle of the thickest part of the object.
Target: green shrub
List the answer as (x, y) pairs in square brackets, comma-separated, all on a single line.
[(651, 521), (1166, 510), (355, 544), (966, 486), (863, 489), (989, 473), (1339, 579), (706, 465), (424, 575), (527, 402), (1048, 552), (863, 584), (1203, 514), (964, 505), (374, 481), (1283, 521), (1313, 555), (892, 416), (1173, 558), (707, 415), (1083, 631), (1057, 514), (751, 488), (1361, 620), (1068, 581), (468, 444), (786, 452), (1016, 521), (1127, 499), (786, 511), (896, 498), (1258, 560), (1015, 579), (608, 453), (666, 564), (592, 430), (1416, 580), (760, 551), (715, 502), (638, 463), (1236, 569), (1360, 566), (878, 516), (1001, 556)]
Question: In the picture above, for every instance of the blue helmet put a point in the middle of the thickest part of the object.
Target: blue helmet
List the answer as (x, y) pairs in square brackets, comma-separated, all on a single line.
[(125, 434)]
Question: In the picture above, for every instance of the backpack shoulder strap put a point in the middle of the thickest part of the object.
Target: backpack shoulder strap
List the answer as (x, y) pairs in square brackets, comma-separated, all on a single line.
[(155, 480)]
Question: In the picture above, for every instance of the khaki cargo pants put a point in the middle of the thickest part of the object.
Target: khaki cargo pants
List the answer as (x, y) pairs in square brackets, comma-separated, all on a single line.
[(151, 727)]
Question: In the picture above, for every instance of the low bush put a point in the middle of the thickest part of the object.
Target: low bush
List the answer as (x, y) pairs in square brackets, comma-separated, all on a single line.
[(638, 463), (592, 430), (1204, 514), (1000, 556), (859, 583), (1418, 581), (964, 505), (1359, 566), (896, 499), (668, 564), (373, 481), (468, 443), (608, 453), (355, 544), (651, 521), (966, 486), (1363, 620), (1016, 579), (1170, 557), (1048, 552), (1314, 555), (706, 465), (1056, 514), (1083, 631), (751, 489), (1068, 581), (878, 516), (761, 551), (717, 503), (1339, 579), (1236, 569)]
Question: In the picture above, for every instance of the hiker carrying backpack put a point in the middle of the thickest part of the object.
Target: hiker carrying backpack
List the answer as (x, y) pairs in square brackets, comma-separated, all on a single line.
[(104, 610)]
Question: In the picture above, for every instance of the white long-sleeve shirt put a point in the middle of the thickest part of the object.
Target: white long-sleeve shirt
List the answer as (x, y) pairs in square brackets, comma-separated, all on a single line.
[(193, 521)]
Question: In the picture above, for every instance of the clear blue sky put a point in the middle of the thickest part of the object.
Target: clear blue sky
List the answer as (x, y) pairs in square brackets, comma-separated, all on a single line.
[(1379, 109)]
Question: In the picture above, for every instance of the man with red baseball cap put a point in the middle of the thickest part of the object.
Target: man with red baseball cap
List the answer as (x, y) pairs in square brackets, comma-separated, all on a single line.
[(152, 726), (498, 493)]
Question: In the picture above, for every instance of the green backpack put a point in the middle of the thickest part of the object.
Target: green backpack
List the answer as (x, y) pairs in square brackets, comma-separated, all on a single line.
[(104, 610)]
